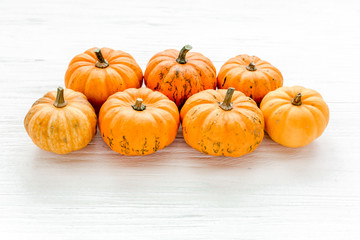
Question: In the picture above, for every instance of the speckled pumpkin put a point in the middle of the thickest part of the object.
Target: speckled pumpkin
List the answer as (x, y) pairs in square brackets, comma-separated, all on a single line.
[(294, 116), (98, 73), (222, 123), (250, 75), (61, 122), (180, 74), (138, 121)]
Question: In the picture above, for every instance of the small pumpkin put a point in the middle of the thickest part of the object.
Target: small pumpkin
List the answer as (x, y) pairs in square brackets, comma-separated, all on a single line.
[(250, 75), (222, 123), (138, 121), (99, 73), (294, 116), (180, 74), (61, 122)]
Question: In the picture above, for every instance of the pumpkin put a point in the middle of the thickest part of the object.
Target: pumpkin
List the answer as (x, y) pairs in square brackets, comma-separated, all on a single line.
[(61, 122), (222, 123), (180, 74), (138, 121), (250, 75), (294, 116), (98, 73)]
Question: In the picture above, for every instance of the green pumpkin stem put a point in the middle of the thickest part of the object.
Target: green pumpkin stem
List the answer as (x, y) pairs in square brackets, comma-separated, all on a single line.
[(297, 100), (101, 62), (226, 105), (139, 106), (182, 54), (251, 67), (60, 101)]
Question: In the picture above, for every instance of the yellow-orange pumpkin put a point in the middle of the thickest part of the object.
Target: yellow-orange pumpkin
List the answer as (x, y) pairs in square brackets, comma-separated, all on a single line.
[(294, 116), (250, 75), (61, 122), (98, 73), (180, 74), (222, 123), (138, 121)]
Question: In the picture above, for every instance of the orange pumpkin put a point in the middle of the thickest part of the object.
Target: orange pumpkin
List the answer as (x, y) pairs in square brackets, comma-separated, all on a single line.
[(294, 116), (138, 121), (180, 74), (250, 75), (61, 122), (99, 73), (222, 123)]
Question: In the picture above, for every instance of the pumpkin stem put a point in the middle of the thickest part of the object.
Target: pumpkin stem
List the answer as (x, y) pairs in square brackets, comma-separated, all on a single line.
[(226, 105), (139, 106), (251, 67), (182, 55), (101, 63), (60, 101), (296, 100)]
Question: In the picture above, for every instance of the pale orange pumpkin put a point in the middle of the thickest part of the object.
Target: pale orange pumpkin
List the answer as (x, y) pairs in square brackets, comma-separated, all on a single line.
[(99, 73), (250, 75), (222, 123), (138, 121), (294, 116), (61, 122)]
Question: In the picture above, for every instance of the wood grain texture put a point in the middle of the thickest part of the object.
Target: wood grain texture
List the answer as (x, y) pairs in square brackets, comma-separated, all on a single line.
[(179, 193)]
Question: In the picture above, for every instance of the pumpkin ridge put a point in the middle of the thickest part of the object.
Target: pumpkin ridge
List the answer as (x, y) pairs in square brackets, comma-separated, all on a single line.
[(67, 116), (201, 71), (117, 55), (34, 115), (233, 76), (223, 74), (283, 117), (49, 116), (74, 77), (129, 82), (195, 76), (56, 117), (270, 75), (164, 65), (90, 81), (313, 121), (319, 113)]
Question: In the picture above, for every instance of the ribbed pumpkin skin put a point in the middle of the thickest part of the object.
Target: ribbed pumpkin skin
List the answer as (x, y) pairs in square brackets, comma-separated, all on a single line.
[(294, 126), (99, 83), (61, 130), (255, 84), (211, 130), (132, 132), (179, 81)]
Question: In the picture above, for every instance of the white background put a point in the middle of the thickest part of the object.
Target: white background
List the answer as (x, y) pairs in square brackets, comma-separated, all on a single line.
[(178, 193)]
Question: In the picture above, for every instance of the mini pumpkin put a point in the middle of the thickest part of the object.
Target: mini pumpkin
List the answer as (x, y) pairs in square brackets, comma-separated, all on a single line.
[(222, 123), (250, 75), (61, 122), (294, 116), (99, 73), (180, 74), (138, 121)]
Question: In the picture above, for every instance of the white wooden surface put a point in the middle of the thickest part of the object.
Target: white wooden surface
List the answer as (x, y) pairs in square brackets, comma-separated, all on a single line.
[(178, 193)]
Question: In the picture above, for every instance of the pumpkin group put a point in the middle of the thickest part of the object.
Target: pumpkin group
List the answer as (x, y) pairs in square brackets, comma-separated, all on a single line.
[(138, 121), (98, 73), (179, 75), (294, 116), (222, 123), (250, 75), (61, 122)]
